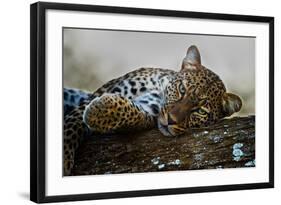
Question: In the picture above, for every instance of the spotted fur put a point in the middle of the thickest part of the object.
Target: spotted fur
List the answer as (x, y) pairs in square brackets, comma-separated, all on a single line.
[(73, 98), (150, 97)]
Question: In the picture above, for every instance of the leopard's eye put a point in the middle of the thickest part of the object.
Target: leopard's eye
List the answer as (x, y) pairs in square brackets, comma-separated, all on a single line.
[(202, 111), (181, 88)]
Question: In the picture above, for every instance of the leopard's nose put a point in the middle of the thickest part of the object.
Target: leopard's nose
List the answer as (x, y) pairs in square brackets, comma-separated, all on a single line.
[(171, 121)]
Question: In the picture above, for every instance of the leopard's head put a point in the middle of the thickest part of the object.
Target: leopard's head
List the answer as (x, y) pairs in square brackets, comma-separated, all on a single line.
[(195, 97)]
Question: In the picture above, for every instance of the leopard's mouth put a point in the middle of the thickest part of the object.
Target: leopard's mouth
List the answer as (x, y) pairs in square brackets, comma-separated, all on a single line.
[(164, 130), (169, 129)]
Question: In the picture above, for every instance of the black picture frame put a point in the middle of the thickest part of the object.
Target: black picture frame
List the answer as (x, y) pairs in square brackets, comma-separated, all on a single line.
[(38, 100)]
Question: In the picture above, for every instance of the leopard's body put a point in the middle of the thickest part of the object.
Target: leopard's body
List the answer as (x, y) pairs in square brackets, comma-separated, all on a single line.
[(73, 98), (146, 98)]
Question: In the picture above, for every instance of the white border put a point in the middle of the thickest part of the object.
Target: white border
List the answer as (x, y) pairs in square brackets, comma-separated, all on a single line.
[(58, 185)]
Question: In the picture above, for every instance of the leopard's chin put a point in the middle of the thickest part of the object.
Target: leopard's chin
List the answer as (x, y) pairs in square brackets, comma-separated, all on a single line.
[(170, 130), (164, 130)]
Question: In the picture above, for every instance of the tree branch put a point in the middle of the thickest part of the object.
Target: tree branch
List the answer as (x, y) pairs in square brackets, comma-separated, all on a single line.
[(229, 143)]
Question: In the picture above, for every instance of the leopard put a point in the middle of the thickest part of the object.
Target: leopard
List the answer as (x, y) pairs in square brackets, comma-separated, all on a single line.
[(72, 98), (172, 101)]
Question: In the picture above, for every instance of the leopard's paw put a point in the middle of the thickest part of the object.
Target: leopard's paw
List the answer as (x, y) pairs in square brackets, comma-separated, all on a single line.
[(110, 113)]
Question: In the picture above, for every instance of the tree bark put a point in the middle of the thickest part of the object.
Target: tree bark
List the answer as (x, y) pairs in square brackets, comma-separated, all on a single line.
[(227, 144)]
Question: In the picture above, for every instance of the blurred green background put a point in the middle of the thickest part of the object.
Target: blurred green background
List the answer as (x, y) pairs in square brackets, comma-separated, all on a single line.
[(93, 57)]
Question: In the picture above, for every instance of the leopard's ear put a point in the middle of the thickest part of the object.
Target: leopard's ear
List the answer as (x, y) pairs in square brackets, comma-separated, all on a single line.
[(231, 103), (192, 59)]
